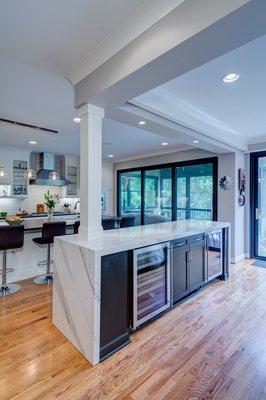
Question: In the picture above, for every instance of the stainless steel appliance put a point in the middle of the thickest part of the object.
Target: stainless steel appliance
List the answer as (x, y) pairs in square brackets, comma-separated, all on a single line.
[(151, 282), (214, 243)]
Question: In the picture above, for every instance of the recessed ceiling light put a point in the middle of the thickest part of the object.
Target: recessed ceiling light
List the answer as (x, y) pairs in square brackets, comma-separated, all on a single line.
[(77, 120), (195, 141), (142, 122), (231, 77), (110, 155), (32, 142), (164, 144)]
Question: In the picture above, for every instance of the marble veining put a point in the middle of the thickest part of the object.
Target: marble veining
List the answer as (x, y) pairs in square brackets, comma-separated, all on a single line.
[(76, 297), (77, 275)]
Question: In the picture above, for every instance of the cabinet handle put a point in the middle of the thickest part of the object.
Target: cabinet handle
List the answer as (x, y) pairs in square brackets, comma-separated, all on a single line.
[(197, 240), (179, 244)]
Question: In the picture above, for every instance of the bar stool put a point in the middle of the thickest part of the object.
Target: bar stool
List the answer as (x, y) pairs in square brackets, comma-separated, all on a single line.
[(108, 224), (11, 237), (76, 227), (49, 231), (127, 221)]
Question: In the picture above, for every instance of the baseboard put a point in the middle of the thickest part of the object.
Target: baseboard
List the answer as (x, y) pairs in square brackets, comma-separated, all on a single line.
[(238, 258)]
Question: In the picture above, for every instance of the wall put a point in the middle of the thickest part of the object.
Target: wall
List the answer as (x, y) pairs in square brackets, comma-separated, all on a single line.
[(107, 186), (36, 193), (228, 209)]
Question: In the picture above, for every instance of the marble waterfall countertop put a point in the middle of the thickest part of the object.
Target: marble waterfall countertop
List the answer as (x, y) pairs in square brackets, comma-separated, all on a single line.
[(77, 275), (116, 240)]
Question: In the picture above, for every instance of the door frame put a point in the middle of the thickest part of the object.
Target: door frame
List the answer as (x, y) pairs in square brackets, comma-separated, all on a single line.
[(254, 157)]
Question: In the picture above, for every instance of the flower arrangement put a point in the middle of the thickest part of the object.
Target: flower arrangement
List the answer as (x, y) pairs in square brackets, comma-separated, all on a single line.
[(51, 199)]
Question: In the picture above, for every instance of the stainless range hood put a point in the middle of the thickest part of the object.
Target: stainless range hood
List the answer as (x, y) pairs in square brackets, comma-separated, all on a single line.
[(44, 164)]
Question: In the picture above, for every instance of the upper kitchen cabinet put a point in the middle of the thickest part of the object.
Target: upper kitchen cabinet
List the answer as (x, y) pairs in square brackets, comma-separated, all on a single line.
[(20, 178), (72, 177)]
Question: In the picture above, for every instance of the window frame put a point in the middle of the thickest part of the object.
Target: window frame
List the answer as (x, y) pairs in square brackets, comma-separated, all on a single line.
[(174, 165)]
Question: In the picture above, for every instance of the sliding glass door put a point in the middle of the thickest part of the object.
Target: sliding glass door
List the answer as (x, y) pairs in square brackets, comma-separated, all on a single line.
[(157, 195), (258, 202), (178, 191), (129, 195), (194, 191)]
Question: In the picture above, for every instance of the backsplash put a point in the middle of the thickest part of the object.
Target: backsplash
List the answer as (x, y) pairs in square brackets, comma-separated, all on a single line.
[(36, 196)]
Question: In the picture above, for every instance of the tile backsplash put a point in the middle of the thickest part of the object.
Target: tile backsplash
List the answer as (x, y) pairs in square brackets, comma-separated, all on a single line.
[(36, 196)]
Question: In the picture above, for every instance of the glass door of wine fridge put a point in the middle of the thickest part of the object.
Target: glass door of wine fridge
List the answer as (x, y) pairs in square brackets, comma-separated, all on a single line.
[(214, 254), (151, 283)]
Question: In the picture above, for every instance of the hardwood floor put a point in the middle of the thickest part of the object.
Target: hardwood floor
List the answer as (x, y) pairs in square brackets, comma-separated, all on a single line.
[(212, 346)]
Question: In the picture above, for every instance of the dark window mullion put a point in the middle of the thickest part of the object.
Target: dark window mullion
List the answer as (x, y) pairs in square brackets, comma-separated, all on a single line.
[(142, 197), (174, 194)]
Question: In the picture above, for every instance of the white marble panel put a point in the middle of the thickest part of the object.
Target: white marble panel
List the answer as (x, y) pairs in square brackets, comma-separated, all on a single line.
[(76, 297)]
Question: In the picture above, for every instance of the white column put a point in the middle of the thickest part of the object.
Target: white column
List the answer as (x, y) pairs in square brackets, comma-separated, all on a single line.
[(90, 170)]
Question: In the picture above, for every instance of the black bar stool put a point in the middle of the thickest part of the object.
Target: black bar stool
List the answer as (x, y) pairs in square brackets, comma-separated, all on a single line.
[(76, 227), (108, 224), (49, 231), (11, 237), (127, 221)]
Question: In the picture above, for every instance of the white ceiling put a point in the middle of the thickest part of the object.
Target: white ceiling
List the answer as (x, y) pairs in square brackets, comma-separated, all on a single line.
[(35, 96), (58, 34), (124, 141), (34, 91), (199, 99), (53, 37)]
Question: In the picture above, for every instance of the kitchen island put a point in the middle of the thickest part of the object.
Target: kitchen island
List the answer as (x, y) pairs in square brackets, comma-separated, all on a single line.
[(28, 262), (102, 285)]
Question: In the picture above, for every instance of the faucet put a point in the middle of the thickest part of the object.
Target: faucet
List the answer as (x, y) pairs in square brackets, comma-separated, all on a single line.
[(76, 204)]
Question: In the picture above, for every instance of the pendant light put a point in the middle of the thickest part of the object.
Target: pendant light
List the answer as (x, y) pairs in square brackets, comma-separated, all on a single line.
[(3, 173), (54, 175), (31, 172)]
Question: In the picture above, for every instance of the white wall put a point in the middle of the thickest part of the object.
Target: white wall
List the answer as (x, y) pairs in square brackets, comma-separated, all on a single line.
[(228, 209), (107, 185), (36, 192)]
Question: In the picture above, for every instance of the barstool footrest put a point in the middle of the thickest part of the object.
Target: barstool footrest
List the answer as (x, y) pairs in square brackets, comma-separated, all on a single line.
[(44, 280), (9, 269), (11, 288), (43, 263)]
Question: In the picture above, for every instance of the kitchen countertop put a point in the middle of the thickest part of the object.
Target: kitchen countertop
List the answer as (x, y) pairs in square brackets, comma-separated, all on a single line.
[(116, 240), (36, 223)]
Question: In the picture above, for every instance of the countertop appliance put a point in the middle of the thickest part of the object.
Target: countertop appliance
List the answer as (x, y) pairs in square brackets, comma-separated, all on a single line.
[(151, 282)]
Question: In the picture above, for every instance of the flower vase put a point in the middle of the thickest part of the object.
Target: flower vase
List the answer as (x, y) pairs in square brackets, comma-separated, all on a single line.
[(50, 213)]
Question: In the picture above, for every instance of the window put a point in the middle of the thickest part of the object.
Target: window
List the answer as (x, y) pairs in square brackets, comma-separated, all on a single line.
[(157, 195), (183, 190), (130, 194), (194, 191)]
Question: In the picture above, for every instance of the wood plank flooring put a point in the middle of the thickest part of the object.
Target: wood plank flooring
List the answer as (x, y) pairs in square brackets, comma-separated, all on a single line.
[(212, 346)]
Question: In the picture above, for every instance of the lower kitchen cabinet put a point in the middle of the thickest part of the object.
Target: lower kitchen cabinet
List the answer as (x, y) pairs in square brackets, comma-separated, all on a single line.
[(197, 265), (188, 266), (115, 303), (180, 278)]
